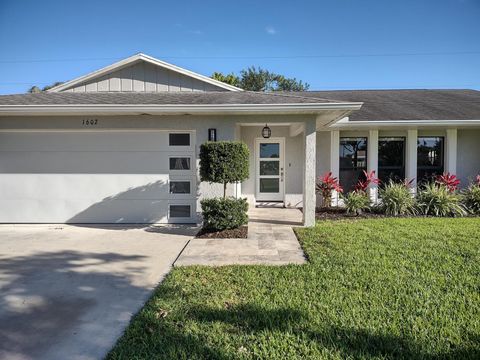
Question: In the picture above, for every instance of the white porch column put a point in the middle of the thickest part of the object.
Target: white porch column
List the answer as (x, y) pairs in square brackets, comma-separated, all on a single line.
[(411, 160), (372, 158), (309, 199), (335, 161), (451, 151), (237, 185)]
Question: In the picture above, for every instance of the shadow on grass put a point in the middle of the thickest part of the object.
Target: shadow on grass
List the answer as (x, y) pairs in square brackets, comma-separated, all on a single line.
[(167, 338)]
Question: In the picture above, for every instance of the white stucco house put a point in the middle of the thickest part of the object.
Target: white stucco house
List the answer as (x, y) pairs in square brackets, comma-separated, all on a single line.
[(120, 145)]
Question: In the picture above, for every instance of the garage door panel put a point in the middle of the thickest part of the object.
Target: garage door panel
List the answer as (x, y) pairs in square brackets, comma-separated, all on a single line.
[(55, 162), (91, 141), (92, 186)]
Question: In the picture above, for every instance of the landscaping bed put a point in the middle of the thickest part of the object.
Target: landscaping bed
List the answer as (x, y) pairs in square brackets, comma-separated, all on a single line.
[(339, 213), (238, 233), (386, 288)]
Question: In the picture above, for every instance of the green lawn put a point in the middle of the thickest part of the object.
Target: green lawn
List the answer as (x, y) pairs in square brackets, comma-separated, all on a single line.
[(380, 288)]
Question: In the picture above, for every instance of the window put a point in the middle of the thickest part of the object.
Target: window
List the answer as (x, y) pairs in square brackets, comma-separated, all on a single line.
[(429, 157), (179, 211), (353, 161), (179, 187), (391, 159), (179, 139), (269, 150), (179, 163)]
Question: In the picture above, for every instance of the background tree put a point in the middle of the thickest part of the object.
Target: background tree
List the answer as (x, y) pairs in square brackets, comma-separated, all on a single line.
[(36, 89), (230, 79), (258, 79)]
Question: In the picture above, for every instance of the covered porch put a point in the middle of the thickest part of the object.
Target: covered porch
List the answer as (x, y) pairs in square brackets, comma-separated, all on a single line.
[(282, 166)]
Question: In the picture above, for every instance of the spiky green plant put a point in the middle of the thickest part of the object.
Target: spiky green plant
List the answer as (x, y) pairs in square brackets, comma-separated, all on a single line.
[(396, 199), (356, 202), (437, 200)]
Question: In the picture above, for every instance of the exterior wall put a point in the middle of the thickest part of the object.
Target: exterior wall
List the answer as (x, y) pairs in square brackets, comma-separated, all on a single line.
[(323, 157), (468, 155), (294, 160), (144, 77)]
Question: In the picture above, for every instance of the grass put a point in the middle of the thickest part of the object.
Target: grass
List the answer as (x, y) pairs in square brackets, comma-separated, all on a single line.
[(373, 289)]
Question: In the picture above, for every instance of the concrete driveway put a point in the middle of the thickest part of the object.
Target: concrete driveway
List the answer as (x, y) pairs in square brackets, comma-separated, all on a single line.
[(68, 292)]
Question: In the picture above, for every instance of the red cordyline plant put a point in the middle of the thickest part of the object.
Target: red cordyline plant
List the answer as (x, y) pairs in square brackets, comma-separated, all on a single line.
[(478, 180), (326, 185), (450, 181), (362, 185), (408, 183)]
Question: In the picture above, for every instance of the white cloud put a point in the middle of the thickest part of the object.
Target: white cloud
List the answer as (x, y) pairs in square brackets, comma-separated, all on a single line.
[(270, 30)]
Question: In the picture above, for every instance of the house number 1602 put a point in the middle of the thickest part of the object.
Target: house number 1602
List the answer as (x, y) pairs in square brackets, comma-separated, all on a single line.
[(90, 122)]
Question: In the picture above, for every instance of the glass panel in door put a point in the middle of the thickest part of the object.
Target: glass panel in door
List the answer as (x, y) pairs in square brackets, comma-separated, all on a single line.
[(269, 170)]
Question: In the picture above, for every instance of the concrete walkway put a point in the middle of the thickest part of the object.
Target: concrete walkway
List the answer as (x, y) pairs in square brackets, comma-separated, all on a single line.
[(270, 241), (68, 292)]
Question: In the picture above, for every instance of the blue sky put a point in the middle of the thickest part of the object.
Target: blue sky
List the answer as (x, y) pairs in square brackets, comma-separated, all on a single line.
[(336, 44)]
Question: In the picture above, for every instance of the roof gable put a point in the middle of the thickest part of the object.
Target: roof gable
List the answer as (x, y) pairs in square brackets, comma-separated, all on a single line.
[(142, 73)]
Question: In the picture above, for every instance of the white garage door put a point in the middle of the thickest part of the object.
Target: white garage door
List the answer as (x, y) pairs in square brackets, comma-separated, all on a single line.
[(97, 177)]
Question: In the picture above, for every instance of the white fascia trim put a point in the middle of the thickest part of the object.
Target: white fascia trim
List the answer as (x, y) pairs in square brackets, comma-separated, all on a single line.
[(137, 57), (305, 108), (402, 123)]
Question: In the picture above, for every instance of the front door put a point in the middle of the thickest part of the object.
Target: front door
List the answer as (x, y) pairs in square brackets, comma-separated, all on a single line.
[(270, 172)]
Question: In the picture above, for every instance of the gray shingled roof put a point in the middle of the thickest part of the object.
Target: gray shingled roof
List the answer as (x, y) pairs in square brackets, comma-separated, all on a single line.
[(378, 104), (160, 98), (408, 104)]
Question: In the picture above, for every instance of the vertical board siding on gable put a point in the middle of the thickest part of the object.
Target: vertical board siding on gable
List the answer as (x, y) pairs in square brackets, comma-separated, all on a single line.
[(144, 77)]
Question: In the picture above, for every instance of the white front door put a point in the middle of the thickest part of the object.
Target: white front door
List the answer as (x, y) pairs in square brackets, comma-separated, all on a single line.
[(269, 154)]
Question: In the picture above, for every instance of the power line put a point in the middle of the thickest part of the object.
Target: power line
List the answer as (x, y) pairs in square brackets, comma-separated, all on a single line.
[(11, 61)]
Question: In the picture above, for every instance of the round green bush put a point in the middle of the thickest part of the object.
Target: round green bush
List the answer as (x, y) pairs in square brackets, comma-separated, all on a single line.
[(224, 213), (224, 162)]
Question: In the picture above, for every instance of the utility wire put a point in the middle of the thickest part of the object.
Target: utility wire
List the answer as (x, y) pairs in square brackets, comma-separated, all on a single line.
[(11, 61)]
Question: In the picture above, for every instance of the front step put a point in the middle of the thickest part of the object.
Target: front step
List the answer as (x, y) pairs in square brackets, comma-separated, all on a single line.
[(270, 204)]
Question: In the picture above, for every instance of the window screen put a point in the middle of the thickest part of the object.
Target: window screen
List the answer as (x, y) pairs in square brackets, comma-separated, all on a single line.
[(391, 159), (429, 157), (179, 187), (353, 160), (179, 211), (179, 139), (179, 163)]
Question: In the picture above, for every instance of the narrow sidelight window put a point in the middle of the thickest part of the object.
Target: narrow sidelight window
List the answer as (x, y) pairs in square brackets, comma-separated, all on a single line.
[(179, 163), (391, 159), (179, 187), (179, 211), (179, 139), (353, 161), (429, 157)]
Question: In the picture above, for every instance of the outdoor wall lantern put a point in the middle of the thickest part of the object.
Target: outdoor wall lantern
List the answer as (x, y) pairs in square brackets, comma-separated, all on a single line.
[(266, 132), (212, 134)]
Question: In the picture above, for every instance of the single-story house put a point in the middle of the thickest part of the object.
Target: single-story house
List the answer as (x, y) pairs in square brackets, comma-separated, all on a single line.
[(121, 144)]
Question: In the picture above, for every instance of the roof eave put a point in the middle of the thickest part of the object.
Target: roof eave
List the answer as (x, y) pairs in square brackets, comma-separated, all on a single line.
[(306, 108), (347, 124)]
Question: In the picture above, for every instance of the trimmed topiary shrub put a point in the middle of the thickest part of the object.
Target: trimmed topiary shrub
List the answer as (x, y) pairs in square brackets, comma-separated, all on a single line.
[(396, 199), (437, 200), (224, 162), (356, 202), (224, 213), (471, 197)]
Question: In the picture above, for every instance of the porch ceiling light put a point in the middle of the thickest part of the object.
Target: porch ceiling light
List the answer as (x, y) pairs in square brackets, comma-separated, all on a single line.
[(266, 132)]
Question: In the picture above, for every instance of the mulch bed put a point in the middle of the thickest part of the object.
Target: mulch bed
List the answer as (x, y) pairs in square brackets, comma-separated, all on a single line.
[(337, 213), (238, 233)]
